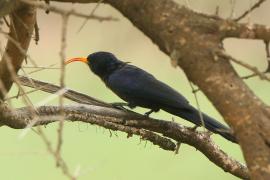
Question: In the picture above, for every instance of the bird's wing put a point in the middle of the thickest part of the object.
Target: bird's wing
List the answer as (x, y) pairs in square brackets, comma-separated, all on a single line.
[(136, 85)]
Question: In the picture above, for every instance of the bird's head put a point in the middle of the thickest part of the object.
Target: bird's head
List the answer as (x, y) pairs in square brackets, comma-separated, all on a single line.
[(100, 63)]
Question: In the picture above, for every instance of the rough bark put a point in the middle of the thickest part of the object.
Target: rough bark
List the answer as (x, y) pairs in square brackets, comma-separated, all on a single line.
[(189, 35), (7, 6), (159, 132), (194, 41), (22, 24)]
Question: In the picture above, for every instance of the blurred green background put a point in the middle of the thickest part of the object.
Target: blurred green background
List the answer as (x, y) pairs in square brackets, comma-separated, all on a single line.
[(90, 149)]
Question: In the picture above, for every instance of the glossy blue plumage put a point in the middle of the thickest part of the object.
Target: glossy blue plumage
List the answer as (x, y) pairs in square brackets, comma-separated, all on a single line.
[(142, 89), (139, 88)]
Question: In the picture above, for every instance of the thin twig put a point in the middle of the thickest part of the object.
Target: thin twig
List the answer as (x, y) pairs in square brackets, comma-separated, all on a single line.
[(233, 2), (245, 65), (69, 94), (256, 5), (71, 12), (13, 75), (41, 67), (268, 62), (19, 21), (197, 104), (62, 85), (92, 13), (62, 163), (6, 21), (20, 94)]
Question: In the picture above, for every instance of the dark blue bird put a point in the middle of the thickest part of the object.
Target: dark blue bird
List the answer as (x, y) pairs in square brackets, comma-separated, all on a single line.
[(139, 88)]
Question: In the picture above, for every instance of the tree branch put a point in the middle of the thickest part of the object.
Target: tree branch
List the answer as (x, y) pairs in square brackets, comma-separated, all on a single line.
[(256, 5), (23, 21), (70, 12), (177, 30), (70, 94), (205, 24), (125, 121), (7, 6)]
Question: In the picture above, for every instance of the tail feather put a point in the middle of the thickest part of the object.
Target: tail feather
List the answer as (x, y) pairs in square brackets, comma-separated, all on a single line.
[(191, 114)]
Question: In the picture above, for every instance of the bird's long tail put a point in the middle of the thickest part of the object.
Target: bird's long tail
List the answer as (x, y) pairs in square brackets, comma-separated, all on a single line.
[(191, 114)]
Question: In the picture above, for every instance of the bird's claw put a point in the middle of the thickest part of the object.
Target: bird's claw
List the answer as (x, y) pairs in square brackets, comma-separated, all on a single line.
[(194, 128), (148, 113), (120, 106), (208, 133)]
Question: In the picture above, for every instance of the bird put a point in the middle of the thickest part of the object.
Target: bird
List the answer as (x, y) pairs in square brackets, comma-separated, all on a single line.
[(139, 88)]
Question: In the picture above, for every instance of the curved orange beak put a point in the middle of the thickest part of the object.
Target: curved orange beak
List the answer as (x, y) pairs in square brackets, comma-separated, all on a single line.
[(85, 60)]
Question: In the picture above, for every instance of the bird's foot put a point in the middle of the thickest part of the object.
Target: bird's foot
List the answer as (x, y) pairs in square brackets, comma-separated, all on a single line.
[(149, 112), (120, 105), (208, 133), (194, 128)]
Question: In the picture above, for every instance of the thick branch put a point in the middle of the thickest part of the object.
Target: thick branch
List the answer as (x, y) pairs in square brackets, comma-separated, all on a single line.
[(22, 25), (205, 24), (7, 6), (130, 123), (256, 5), (70, 12), (192, 40), (104, 112), (177, 31)]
